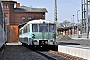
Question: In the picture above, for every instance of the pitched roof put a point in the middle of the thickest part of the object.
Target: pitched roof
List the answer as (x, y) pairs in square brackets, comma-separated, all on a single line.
[(9, 1), (6, 0), (29, 9)]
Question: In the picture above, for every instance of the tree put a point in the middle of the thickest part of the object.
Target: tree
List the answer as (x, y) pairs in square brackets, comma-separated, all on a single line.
[(65, 24)]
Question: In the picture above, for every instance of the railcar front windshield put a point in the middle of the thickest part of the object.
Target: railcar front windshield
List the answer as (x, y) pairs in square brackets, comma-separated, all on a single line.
[(52, 28), (43, 27)]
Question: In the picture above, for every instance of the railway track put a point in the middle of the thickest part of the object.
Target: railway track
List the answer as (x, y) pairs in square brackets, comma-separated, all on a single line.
[(59, 54), (50, 58), (48, 55), (66, 55), (41, 53)]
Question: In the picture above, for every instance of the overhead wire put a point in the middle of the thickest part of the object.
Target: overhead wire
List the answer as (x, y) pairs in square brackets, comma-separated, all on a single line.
[(72, 3)]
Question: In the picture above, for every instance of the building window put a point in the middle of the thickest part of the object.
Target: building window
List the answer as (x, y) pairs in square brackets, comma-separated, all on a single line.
[(23, 19), (29, 18), (5, 5), (35, 17), (6, 19)]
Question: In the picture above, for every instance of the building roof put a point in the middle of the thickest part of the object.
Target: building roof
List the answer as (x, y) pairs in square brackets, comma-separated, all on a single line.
[(8, 1), (29, 9), (65, 28)]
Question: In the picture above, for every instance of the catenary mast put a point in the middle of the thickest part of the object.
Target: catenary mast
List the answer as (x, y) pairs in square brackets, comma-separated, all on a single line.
[(55, 11), (55, 14)]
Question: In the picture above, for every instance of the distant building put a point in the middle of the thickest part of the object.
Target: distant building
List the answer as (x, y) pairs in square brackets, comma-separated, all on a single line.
[(18, 15), (67, 30)]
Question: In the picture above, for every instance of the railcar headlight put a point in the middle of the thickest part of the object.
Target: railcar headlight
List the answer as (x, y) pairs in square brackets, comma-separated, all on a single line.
[(46, 42), (35, 42), (33, 35), (51, 42)]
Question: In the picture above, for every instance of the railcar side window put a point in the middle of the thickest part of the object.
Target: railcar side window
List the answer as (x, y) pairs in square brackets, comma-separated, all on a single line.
[(52, 28), (34, 28), (20, 31), (28, 26), (25, 29), (43, 28)]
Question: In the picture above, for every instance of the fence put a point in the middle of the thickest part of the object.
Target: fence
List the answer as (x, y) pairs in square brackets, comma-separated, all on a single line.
[(79, 36)]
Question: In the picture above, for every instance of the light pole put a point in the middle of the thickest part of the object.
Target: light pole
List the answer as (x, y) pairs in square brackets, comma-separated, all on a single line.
[(78, 23), (73, 24), (72, 27), (77, 16), (87, 31)]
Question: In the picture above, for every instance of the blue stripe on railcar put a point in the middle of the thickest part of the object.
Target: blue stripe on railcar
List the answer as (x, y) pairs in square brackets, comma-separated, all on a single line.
[(52, 36), (44, 35)]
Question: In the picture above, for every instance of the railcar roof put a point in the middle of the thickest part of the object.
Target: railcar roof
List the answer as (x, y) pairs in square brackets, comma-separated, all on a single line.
[(39, 21)]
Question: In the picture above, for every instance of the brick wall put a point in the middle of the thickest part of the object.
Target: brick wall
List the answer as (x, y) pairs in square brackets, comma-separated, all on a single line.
[(18, 17)]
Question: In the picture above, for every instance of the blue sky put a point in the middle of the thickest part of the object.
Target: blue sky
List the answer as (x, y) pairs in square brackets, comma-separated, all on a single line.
[(65, 8)]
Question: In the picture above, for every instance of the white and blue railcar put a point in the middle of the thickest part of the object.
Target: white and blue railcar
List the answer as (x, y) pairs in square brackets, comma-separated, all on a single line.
[(38, 32), (2, 27)]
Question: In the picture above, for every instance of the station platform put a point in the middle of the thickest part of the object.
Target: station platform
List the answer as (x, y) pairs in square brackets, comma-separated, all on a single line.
[(76, 50), (18, 43)]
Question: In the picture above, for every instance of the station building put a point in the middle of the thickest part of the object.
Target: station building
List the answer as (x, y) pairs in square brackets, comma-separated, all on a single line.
[(67, 30), (15, 14)]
